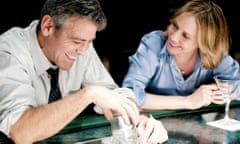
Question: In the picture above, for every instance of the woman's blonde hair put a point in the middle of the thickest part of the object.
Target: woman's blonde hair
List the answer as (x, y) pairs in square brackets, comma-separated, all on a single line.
[(213, 34)]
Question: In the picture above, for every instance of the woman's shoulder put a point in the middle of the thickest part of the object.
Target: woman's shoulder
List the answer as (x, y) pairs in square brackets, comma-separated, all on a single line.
[(155, 41), (154, 34)]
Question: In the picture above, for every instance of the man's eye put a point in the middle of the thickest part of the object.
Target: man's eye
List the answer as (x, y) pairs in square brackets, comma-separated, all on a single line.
[(78, 42)]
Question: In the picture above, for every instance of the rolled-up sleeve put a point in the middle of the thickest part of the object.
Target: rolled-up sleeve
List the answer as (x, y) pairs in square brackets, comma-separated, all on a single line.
[(17, 93), (142, 66)]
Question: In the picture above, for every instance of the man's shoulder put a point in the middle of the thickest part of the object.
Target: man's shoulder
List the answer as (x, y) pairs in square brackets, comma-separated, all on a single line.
[(17, 43), (16, 38)]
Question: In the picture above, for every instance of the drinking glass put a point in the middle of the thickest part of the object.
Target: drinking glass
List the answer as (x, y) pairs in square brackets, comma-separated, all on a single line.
[(121, 132), (228, 87)]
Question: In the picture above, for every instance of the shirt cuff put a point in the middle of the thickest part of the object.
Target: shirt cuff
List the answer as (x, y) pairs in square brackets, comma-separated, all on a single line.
[(126, 92)]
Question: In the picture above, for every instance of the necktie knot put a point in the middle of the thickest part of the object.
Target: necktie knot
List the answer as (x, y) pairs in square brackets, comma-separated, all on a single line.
[(55, 92), (53, 72)]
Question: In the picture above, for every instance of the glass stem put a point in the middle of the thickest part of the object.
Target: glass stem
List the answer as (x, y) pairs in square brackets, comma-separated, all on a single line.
[(226, 117)]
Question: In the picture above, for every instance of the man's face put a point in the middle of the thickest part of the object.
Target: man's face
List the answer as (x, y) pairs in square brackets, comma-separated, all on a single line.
[(63, 46)]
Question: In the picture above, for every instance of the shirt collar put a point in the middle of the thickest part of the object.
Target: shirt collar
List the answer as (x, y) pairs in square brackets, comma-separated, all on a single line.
[(40, 61)]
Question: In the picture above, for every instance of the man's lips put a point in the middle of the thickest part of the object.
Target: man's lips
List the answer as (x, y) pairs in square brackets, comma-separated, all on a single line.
[(71, 57)]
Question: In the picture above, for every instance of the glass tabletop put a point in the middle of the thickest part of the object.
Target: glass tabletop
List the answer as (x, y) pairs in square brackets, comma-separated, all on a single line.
[(191, 129), (184, 127)]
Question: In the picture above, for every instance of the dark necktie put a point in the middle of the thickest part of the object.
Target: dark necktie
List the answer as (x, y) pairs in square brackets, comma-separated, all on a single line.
[(55, 92)]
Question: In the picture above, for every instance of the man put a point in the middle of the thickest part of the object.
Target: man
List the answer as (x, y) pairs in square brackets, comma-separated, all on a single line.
[(61, 39)]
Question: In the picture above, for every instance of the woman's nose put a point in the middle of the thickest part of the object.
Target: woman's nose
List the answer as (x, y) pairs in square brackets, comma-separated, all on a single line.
[(174, 36)]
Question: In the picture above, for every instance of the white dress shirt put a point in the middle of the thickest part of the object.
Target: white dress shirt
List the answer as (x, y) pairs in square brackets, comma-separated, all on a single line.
[(24, 81)]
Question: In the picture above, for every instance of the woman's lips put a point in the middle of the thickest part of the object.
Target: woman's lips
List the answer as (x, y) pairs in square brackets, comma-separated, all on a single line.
[(172, 45)]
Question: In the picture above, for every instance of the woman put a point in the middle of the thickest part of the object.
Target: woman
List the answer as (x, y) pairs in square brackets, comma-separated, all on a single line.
[(61, 39), (174, 69)]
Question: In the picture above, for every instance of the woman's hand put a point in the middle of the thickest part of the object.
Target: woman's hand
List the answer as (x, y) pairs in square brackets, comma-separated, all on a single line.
[(204, 96), (218, 97)]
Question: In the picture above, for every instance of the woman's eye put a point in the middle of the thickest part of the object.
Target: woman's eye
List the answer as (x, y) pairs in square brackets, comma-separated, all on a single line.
[(185, 36)]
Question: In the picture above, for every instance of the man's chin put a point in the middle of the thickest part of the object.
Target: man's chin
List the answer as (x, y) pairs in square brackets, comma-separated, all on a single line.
[(65, 67)]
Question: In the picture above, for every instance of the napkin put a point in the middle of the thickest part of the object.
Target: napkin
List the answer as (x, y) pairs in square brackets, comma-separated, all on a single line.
[(230, 124)]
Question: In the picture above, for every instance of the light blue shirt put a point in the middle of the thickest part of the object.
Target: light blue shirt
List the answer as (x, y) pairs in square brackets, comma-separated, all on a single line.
[(153, 69)]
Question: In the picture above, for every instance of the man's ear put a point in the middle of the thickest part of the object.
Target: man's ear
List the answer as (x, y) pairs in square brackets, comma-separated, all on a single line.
[(47, 25)]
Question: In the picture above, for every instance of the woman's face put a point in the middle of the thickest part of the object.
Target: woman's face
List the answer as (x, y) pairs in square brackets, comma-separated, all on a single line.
[(182, 36)]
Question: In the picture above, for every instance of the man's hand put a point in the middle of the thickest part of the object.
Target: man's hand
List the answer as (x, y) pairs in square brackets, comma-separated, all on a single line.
[(111, 103), (151, 131)]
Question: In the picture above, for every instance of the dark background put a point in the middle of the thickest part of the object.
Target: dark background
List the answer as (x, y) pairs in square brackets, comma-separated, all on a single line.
[(128, 21)]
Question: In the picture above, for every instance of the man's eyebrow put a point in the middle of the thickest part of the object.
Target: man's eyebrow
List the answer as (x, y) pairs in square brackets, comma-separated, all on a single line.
[(81, 39)]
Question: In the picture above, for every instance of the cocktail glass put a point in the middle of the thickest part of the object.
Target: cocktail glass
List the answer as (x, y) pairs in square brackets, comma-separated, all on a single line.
[(228, 88)]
